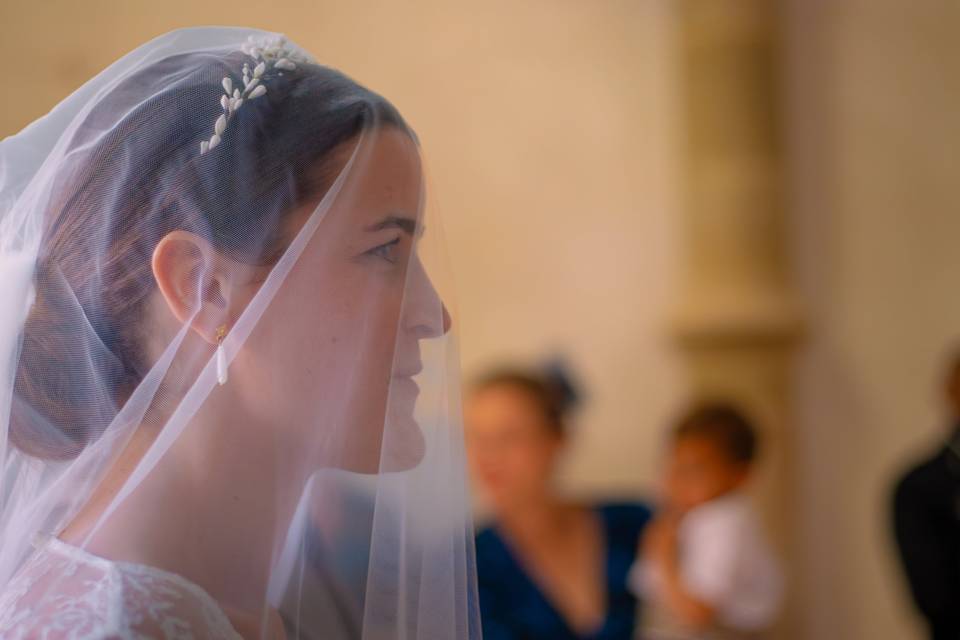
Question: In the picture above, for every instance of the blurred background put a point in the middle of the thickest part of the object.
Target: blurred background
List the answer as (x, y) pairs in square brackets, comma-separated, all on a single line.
[(678, 197)]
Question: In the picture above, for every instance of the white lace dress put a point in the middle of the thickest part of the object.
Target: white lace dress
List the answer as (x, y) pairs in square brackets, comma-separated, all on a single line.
[(65, 593)]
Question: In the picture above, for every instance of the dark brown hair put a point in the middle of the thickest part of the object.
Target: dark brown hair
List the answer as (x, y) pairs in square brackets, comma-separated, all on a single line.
[(723, 424), (952, 382), (132, 173), (550, 391)]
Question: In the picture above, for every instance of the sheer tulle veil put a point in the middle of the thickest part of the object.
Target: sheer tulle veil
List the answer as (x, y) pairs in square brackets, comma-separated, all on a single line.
[(225, 345)]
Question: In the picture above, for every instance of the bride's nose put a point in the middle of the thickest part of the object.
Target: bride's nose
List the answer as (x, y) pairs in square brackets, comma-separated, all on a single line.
[(425, 315)]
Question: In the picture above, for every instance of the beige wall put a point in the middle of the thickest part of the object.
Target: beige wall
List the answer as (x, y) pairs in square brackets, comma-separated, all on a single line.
[(875, 134), (550, 132)]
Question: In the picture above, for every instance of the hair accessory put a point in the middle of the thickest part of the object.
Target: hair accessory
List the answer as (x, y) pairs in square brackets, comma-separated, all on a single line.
[(267, 53)]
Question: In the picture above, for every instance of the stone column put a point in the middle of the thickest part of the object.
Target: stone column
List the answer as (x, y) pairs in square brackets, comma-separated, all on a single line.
[(737, 321)]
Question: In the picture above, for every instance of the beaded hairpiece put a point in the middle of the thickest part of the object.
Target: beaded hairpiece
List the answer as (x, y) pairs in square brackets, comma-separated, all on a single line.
[(267, 53)]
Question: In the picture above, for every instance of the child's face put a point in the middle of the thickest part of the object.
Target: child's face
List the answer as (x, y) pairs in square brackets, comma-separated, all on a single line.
[(698, 470)]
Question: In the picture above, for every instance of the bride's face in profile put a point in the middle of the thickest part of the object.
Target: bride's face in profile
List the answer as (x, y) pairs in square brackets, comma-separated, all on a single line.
[(330, 366)]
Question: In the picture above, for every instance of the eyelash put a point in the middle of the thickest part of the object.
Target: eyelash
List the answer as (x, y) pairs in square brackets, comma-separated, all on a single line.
[(382, 250)]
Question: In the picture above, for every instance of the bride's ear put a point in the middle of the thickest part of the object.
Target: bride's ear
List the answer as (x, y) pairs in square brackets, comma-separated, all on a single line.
[(192, 279)]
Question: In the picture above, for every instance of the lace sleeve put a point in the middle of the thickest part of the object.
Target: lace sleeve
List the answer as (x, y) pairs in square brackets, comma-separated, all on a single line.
[(64, 593)]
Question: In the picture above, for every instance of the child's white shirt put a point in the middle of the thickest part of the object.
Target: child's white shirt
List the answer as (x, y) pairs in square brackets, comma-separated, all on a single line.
[(725, 561)]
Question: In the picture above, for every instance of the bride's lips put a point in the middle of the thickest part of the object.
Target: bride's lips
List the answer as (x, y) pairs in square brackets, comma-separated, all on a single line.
[(408, 372), (404, 380), (406, 385)]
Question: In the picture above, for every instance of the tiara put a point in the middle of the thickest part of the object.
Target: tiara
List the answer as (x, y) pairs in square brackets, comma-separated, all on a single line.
[(267, 53)]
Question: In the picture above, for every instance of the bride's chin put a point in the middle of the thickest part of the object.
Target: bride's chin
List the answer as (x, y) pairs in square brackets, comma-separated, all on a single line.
[(404, 445), (400, 447)]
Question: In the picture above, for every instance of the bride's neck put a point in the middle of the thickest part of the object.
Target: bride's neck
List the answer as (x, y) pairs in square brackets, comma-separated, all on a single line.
[(211, 510)]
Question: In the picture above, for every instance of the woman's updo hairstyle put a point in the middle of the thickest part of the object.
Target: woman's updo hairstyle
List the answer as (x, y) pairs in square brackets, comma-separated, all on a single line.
[(132, 173), (550, 388)]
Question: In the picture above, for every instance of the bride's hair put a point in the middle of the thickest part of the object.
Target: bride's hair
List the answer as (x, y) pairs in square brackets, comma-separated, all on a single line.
[(134, 172)]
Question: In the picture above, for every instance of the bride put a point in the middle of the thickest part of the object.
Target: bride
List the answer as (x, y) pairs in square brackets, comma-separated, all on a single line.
[(228, 387)]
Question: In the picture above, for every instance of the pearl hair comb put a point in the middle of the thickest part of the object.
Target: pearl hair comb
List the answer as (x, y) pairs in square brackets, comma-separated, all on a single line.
[(267, 53)]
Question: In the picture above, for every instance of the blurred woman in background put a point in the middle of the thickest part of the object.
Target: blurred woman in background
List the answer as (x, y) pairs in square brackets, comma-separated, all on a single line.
[(547, 567)]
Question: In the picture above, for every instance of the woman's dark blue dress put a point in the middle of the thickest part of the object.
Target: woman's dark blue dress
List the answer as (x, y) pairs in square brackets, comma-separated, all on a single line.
[(512, 607)]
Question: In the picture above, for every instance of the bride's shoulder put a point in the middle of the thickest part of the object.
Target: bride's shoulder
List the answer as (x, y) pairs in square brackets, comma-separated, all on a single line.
[(65, 592)]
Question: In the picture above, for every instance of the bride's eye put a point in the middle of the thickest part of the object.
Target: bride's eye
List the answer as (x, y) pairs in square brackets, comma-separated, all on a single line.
[(386, 251)]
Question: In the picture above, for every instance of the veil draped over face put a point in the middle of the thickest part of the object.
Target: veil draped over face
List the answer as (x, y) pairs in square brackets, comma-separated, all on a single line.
[(229, 384)]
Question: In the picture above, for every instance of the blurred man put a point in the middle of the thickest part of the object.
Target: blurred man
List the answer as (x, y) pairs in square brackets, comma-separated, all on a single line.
[(926, 513)]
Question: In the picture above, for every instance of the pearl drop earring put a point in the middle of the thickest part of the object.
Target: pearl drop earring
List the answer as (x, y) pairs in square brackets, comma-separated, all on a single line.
[(221, 355)]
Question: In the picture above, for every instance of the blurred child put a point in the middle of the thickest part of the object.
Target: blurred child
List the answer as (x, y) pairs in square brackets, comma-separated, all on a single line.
[(705, 569)]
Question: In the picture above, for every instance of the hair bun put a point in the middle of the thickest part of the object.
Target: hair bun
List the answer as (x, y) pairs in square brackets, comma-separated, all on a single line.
[(562, 384)]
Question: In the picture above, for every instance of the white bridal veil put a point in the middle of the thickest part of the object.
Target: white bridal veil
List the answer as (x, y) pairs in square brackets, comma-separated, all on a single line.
[(225, 358)]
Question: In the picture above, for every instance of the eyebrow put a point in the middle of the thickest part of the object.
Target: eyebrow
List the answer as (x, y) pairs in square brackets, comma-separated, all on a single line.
[(394, 221)]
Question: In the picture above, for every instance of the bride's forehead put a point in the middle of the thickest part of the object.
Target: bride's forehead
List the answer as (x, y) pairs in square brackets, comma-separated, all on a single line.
[(393, 161), (390, 178), (383, 180)]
